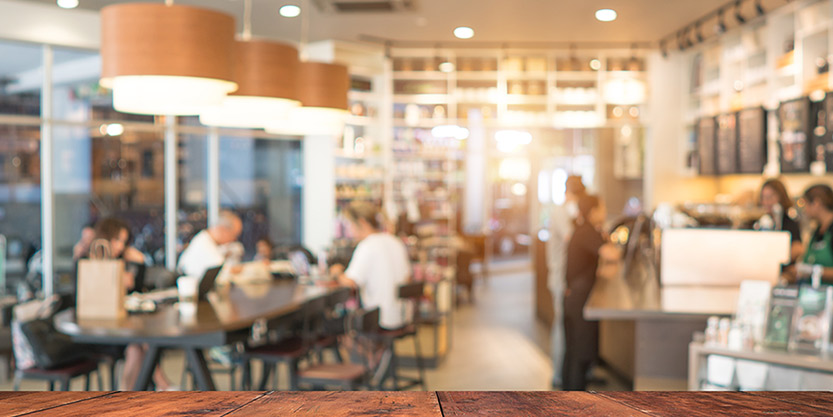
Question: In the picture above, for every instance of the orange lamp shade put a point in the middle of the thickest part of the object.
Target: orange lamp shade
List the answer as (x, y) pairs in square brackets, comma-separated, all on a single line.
[(162, 59), (323, 85)]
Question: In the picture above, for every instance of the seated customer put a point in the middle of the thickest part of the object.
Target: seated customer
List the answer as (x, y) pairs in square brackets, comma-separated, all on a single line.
[(379, 265), (208, 248), (115, 233), (265, 250)]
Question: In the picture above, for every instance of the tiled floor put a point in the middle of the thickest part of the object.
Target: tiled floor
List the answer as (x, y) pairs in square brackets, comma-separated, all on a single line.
[(497, 343)]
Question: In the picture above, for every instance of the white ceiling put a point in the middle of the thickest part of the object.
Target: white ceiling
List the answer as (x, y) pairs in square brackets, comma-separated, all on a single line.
[(500, 21)]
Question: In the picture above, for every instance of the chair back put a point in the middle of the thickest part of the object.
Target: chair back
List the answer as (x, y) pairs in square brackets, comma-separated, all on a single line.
[(411, 291)]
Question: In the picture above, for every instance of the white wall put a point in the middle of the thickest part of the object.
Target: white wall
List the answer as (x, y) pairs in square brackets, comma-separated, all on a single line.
[(319, 198), (665, 181), (44, 23)]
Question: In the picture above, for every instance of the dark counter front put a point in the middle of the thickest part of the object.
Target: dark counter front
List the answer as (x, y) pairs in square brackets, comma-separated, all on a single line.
[(438, 404), (644, 334)]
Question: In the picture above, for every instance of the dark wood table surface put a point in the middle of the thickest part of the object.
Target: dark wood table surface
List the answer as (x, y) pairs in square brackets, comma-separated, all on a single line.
[(447, 404), (223, 320)]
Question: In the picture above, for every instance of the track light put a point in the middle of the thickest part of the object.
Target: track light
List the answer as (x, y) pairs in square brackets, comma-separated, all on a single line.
[(663, 48), (699, 32), (687, 37), (759, 8), (680, 43), (738, 16), (721, 23)]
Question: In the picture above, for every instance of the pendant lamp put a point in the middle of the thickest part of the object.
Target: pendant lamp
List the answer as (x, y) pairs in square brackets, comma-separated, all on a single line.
[(322, 89), (266, 74), (166, 59)]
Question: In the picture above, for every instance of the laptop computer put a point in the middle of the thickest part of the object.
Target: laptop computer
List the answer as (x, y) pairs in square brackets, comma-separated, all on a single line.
[(207, 282)]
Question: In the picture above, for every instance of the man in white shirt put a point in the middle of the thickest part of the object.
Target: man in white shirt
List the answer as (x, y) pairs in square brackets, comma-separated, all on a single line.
[(209, 248), (380, 264)]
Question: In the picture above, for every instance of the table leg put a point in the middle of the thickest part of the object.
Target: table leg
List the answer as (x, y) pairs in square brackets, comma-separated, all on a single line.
[(199, 368), (148, 366)]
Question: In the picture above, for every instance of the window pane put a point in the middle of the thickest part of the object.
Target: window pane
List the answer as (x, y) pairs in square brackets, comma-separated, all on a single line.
[(21, 79), (261, 180), (20, 199), (100, 174), (193, 180)]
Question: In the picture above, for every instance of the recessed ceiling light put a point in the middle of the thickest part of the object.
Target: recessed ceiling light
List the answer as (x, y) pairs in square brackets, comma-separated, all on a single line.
[(68, 4), (290, 10), (464, 32), (605, 15)]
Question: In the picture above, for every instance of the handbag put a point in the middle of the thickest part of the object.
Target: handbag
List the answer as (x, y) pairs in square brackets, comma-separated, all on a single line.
[(36, 342), (100, 289)]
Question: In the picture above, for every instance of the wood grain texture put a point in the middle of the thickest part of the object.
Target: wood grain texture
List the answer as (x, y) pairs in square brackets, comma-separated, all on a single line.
[(711, 404), (17, 403), (266, 69), (154, 39), (822, 400), (517, 404), (149, 404), (337, 404)]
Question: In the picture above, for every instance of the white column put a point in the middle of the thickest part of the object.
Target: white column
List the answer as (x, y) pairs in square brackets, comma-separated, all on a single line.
[(46, 165), (319, 195), (170, 192), (213, 182)]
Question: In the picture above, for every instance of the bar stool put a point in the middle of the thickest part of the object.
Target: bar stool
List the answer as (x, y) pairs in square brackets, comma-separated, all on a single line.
[(411, 293), (333, 325), (63, 375)]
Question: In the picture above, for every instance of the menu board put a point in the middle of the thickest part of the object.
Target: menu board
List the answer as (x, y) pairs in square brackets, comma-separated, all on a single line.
[(727, 143), (706, 130), (823, 132), (793, 136), (752, 146)]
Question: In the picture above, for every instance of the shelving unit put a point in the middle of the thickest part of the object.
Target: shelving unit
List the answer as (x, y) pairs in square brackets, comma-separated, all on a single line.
[(774, 59)]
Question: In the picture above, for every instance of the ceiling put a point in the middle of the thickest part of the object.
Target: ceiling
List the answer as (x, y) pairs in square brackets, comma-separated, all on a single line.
[(498, 21)]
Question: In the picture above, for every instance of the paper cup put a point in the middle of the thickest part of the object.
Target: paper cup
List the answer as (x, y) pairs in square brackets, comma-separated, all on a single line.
[(187, 288)]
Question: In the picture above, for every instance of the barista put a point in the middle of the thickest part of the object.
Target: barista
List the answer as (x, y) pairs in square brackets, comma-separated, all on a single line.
[(780, 213), (818, 259)]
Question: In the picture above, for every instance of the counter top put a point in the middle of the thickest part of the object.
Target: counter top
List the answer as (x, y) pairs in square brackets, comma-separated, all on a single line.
[(438, 404), (615, 300)]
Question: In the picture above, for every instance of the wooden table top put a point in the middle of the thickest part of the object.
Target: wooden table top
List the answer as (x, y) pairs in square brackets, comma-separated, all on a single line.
[(438, 404), (236, 308)]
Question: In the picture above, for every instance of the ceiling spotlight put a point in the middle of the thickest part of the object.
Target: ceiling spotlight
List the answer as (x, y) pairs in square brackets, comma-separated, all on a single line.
[(67, 4), (739, 17), (606, 15), (721, 23), (290, 10), (464, 32), (680, 43), (759, 8)]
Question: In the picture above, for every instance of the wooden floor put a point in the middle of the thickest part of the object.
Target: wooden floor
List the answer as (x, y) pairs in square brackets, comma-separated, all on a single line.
[(446, 404)]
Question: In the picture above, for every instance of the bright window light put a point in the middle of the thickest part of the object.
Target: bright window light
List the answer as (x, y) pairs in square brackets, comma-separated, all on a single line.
[(290, 10), (606, 15), (511, 140), (67, 4), (464, 32), (544, 187), (517, 169), (559, 186)]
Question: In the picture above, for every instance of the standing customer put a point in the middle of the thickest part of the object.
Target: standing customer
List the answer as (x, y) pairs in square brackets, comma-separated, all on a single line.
[(380, 264), (208, 249), (779, 207), (562, 222), (581, 336)]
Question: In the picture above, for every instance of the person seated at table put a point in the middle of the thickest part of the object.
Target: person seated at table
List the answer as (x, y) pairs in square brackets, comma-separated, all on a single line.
[(379, 265), (81, 248), (209, 248), (265, 250), (116, 233)]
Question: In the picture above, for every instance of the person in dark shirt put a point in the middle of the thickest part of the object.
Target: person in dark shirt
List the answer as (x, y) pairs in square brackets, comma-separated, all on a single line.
[(779, 206), (582, 261)]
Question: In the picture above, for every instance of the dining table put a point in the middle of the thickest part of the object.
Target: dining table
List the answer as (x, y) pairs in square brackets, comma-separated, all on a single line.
[(224, 318)]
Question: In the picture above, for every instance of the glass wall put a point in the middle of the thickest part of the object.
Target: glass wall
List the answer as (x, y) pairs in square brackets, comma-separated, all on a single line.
[(108, 163)]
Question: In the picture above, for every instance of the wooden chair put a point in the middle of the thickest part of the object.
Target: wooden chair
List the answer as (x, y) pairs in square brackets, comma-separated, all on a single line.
[(346, 376), (62, 375), (333, 325)]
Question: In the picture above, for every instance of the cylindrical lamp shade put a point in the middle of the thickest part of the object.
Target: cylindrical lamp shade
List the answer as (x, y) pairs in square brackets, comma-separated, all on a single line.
[(266, 75), (323, 85), (171, 60)]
